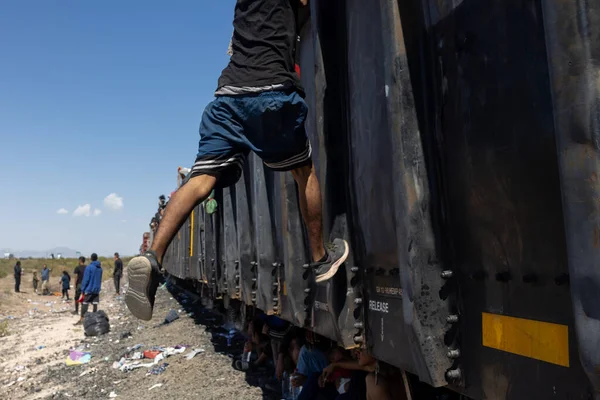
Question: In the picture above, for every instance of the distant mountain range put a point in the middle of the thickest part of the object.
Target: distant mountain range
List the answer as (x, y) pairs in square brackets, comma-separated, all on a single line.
[(65, 252)]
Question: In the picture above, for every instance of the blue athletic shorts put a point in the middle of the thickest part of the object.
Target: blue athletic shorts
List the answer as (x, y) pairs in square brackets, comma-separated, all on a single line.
[(271, 124)]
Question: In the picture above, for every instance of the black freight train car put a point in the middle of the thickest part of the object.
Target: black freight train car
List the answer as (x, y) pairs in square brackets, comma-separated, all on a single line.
[(457, 147)]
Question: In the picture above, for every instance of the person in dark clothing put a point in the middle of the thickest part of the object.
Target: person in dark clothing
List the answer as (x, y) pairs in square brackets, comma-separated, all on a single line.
[(18, 273), (66, 284), (91, 286), (259, 107), (78, 271), (118, 273), (35, 281)]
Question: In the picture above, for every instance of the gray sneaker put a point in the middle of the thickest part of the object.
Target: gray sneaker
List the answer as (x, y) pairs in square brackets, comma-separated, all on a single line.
[(144, 275), (335, 257)]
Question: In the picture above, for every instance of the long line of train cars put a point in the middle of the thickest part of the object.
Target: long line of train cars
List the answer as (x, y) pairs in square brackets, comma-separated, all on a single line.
[(457, 147)]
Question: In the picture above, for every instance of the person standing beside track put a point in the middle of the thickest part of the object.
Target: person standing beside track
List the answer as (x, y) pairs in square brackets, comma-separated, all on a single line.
[(118, 274), (259, 107), (45, 280), (79, 272), (91, 286), (18, 273)]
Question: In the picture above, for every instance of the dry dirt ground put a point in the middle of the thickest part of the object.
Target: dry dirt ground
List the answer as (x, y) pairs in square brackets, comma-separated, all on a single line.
[(41, 333)]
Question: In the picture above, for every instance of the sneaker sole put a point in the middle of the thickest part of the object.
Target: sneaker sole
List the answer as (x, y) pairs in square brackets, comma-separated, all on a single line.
[(136, 297), (335, 266)]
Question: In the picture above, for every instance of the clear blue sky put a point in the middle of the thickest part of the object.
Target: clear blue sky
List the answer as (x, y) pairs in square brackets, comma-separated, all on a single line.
[(100, 97)]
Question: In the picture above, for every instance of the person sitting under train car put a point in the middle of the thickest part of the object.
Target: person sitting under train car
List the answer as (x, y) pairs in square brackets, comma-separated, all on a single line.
[(259, 107), (277, 329), (335, 384), (306, 356), (381, 382), (259, 344)]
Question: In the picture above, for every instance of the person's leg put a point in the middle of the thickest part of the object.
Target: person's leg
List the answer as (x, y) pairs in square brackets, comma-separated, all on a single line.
[(118, 284), (84, 308), (221, 154), (378, 389), (309, 195), (77, 296), (279, 138), (310, 389)]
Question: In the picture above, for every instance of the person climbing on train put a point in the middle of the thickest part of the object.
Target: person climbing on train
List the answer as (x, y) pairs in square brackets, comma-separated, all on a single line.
[(259, 107)]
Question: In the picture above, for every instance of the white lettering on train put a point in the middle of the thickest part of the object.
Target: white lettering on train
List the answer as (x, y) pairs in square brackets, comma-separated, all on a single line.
[(378, 306)]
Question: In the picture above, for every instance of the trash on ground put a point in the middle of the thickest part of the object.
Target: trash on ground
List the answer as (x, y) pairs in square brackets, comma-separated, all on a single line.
[(130, 361), (125, 335), (158, 369), (193, 353), (112, 395), (151, 354), (155, 386), (84, 373), (96, 324), (78, 357), (171, 316)]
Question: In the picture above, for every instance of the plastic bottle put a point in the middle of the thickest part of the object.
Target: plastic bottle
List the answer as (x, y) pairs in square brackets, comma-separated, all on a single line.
[(285, 386), (294, 391)]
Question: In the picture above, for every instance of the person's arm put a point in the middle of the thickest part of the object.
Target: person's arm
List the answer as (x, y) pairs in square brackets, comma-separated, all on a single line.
[(298, 380), (280, 366), (351, 365), (304, 2), (86, 280), (263, 358)]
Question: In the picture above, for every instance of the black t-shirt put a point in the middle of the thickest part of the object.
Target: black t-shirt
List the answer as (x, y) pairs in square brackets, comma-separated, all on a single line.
[(79, 270), (118, 267), (263, 43)]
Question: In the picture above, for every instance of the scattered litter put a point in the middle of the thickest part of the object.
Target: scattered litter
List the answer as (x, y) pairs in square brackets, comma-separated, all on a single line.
[(151, 354), (78, 357), (87, 372), (19, 368), (125, 335), (10, 384), (67, 394), (193, 353), (116, 382), (40, 347), (220, 379), (112, 395), (21, 379), (158, 369), (96, 324), (155, 386), (171, 316)]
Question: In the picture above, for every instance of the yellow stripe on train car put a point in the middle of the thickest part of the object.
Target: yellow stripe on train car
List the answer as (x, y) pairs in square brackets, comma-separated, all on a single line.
[(192, 234), (542, 341)]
